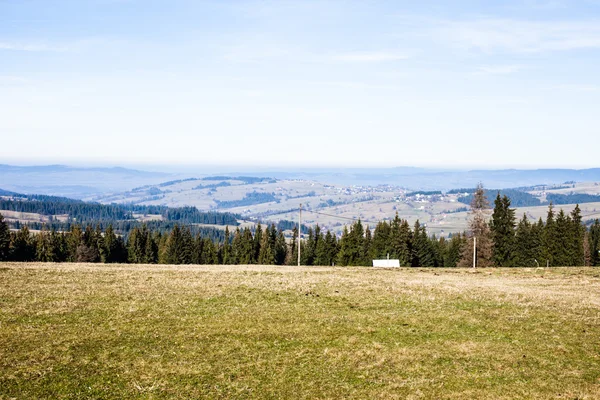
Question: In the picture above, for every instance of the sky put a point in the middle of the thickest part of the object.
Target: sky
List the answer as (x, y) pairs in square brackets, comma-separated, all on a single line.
[(460, 84)]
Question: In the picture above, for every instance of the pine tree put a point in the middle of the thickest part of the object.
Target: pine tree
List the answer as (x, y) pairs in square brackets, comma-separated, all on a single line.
[(455, 244), (309, 249), (280, 248), (74, 240), (366, 248), (173, 245), (587, 257), (384, 237), (577, 237), (550, 239), (562, 252), (209, 252), (422, 253), (150, 249), (266, 256), (403, 247), (4, 239), (59, 246), (594, 243), (256, 243), (22, 246), (292, 258), (344, 255), (236, 246), (502, 227), (247, 248), (226, 251), (43, 247)]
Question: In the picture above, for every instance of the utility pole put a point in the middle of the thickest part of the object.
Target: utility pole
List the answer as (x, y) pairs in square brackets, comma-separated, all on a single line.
[(474, 251), (299, 231)]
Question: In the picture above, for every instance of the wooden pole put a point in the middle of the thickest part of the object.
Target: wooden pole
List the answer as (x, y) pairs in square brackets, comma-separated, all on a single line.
[(474, 251), (299, 231)]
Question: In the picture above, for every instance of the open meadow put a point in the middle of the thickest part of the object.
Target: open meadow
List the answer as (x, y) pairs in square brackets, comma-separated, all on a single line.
[(141, 331)]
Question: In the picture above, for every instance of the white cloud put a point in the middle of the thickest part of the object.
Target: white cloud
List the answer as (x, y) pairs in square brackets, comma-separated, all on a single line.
[(498, 69), (578, 88), (509, 35), (370, 57), (16, 46)]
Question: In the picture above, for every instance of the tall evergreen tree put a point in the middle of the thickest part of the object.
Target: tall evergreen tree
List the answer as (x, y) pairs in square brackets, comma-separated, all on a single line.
[(258, 234), (292, 258), (44, 250), (384, 238), (502, 227), (266, 256), (226, 250), (562, 252), (209, 252), (550, 239), (577, 236), (22, 246), (4, 239), (344, 255), (594, 243), (280, 248), (453, 253), (523, 254)]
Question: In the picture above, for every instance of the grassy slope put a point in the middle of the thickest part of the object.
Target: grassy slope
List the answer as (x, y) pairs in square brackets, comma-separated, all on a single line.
[(92, 331)]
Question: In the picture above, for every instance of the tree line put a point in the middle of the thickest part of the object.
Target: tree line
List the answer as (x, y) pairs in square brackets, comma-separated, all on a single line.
[(83, 212), (562, 240)]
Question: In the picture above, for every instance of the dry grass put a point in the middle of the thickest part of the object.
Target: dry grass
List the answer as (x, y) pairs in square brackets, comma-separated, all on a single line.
[(120, 331)]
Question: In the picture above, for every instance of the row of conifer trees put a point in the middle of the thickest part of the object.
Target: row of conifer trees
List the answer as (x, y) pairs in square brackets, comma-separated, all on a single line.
[(560, 241)]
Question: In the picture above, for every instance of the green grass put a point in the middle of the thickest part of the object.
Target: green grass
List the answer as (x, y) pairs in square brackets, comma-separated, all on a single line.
[(94, 331)]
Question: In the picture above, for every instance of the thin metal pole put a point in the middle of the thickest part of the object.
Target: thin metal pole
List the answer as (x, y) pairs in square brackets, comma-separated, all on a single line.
[(299, 231), (474, 251)]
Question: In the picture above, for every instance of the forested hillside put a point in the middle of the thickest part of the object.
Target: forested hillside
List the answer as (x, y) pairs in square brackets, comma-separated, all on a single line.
[(560, 241), (121, 216)]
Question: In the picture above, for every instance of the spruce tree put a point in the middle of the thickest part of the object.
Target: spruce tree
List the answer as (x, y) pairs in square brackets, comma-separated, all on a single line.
[(280, 248), (344, 254), (226, 251), (266, 256), (150, 250), (523, 254), (383, 238), (292, 258), (502, 227), (22, 246), (366, 248), (308, 253), (236, 246), (562, 256), (550, 240), (594, 243), (455, 244), (43, 247), (4, 239), (577, 237), (210, 252), (258, 234), (74, 240)]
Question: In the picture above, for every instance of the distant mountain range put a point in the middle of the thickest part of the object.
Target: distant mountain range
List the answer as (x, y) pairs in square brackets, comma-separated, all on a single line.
[(80, 182), (75, 182), (426, 179)]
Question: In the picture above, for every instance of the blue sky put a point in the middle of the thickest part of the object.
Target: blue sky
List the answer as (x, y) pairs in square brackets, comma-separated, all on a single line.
[(301, 83)]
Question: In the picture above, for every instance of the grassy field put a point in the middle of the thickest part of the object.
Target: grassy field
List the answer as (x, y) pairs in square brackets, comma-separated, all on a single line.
[(119, 331)]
